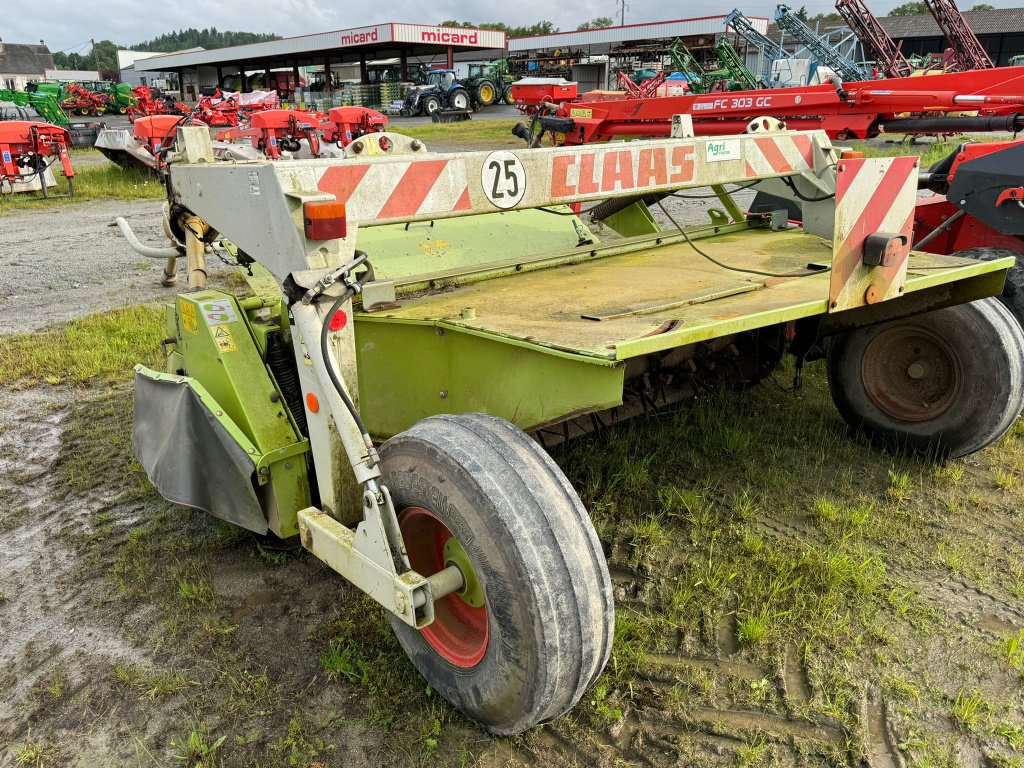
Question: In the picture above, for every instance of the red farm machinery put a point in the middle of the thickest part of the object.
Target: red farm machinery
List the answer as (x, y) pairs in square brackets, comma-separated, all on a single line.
[(992, 98), (28, 152)]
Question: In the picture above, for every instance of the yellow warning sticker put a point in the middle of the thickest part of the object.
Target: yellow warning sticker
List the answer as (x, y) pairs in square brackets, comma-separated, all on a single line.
[(581, 114), (189, 318), (223, 339)]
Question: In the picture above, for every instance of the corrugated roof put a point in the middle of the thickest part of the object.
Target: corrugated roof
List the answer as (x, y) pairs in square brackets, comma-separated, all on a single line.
[(995, 22), (657, 30), (369, 37), (21, 59)]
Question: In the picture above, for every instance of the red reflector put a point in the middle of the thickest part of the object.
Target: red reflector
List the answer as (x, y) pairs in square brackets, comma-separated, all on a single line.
[(385, 143), (324, 219), (339, 321), (312, 403)]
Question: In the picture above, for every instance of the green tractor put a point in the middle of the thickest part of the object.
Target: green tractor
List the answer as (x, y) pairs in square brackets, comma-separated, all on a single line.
[(489, 83)]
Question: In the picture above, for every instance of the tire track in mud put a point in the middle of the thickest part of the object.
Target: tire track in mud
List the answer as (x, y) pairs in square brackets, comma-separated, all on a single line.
[(713, 723), (44, 621), (881, 744)]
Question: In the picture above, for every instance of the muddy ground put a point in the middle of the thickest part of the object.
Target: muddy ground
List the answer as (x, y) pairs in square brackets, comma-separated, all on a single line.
[(786, 595)]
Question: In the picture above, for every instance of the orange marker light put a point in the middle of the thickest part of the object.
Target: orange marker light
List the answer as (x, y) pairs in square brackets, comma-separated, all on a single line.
[(324, 219), (312, 403)]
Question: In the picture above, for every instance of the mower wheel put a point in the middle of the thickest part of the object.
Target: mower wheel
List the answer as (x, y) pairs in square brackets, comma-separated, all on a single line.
[(945, 383), (532, 627), (430, 105), (1013, 290)]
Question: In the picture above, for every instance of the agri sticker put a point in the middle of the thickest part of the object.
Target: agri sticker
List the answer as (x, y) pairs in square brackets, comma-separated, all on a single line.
[(726, 149)]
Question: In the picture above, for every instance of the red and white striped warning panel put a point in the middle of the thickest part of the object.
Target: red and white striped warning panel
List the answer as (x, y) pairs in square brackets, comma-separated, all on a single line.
[(395, 189), (872, 196), (785, 153), (379, 191)]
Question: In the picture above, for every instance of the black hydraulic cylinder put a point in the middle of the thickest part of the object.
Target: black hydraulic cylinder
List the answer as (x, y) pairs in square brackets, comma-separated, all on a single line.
[(1012, 123)]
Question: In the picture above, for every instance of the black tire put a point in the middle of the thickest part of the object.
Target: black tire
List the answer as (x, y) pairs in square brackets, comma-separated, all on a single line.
[(945, 383), (545, 587), (430, 104), (458, 98), (1013, 291), (507, 96), (481, 91)]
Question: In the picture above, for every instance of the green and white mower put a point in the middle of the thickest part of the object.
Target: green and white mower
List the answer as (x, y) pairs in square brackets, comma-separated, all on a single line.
[(456, 307)]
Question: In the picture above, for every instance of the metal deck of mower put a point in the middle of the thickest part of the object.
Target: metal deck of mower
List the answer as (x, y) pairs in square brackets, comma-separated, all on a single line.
[(453, 303)]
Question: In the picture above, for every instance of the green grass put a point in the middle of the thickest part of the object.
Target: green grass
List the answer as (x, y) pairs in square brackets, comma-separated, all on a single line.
[(101, 348), (93, 181), (930, 151), (468, 132)]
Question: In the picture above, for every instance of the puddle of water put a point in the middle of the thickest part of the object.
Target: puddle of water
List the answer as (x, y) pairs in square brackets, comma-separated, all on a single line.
[(253, 601)]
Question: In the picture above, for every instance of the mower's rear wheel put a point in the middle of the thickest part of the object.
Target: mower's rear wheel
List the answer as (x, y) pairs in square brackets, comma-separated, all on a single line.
[(945, 383), (532, 628)]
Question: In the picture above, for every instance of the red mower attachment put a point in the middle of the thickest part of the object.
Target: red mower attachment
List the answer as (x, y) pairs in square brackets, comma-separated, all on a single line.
[(27, 151), (275, 130), (346, 124)]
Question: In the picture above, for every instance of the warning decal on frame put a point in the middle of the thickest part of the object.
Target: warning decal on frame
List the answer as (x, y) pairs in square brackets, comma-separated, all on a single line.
[(217, 312), (224, 340)]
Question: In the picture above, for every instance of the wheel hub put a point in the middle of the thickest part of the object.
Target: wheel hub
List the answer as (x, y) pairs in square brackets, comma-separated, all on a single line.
[(460, 630), (911, 374)]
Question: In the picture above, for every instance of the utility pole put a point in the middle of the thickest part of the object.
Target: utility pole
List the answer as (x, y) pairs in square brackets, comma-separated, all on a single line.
[(622, 13)]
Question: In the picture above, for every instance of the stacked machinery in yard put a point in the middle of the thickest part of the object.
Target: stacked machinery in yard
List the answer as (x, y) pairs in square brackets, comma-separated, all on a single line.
[(768, 51), (734, 75), (686, 63), (741, 78), (968, 52), (28, 150), (822, 51), (876, 41), (460, 525)]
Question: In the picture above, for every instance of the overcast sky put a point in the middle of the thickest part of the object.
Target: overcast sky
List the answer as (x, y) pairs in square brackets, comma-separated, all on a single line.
[(67, 24)]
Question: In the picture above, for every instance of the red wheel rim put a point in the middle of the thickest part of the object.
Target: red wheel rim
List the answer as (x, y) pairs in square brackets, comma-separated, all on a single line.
[(459, 631)]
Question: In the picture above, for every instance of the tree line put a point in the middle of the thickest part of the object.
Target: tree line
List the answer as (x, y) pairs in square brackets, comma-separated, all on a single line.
[(103, 54), (540, 28)]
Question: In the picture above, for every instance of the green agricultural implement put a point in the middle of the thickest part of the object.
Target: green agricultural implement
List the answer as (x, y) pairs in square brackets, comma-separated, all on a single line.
[(44, 104), (739, 75), (685, 62), (455, 306)]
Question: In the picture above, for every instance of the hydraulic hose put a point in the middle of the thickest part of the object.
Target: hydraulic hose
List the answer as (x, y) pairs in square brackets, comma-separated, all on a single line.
[(149, 251)]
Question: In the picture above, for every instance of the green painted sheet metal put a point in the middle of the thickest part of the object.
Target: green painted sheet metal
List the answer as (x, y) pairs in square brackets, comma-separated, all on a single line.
[(216, 344), (656, 298), (633, 221), (401, 250), (411, 370)]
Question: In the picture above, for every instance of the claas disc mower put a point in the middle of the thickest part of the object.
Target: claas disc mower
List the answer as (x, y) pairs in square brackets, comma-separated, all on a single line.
[(455, 307)]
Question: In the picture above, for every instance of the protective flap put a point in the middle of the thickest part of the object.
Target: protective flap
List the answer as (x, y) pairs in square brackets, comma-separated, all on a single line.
[(189, 455)]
